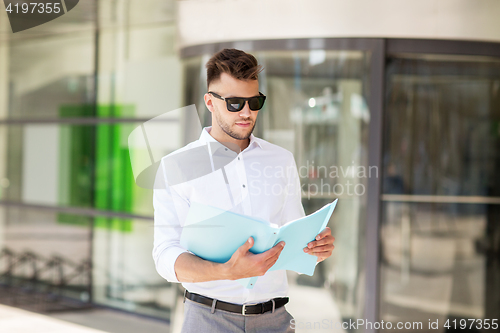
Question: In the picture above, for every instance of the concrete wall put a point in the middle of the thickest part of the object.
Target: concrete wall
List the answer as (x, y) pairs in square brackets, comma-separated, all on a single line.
[(202, 22)]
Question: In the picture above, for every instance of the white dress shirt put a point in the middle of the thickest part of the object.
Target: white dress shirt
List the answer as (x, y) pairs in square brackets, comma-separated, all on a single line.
[(261, 181)]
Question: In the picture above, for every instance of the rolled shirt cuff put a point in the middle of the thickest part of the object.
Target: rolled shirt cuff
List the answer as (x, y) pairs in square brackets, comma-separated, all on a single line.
[(166, 264)]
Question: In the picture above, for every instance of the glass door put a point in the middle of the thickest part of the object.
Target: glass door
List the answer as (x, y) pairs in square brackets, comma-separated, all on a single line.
[(440, 230), (318, 110)]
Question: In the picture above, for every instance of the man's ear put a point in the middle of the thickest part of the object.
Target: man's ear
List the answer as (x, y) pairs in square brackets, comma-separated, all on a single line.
[(208, 102)]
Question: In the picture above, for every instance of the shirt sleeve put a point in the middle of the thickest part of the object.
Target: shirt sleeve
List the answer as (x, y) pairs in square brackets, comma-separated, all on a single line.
[(170, 209), (292, 208)]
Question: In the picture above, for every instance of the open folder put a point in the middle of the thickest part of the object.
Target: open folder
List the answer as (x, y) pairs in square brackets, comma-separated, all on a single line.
[(215, 234)]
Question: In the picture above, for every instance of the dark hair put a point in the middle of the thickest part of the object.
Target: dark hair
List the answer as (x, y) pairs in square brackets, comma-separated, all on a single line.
[(237, 63)]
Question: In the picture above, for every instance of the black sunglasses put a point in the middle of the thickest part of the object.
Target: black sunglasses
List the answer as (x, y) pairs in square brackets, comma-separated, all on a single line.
[(235, 104)]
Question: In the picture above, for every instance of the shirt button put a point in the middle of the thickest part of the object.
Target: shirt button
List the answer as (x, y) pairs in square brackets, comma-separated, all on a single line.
[(243, 185), (225, 148), (238, 158)]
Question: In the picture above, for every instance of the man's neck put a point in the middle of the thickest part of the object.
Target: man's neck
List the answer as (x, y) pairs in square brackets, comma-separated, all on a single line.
[(227, 140)]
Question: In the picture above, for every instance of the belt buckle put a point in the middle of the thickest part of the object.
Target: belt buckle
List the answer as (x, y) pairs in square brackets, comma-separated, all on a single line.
[(243, 309)]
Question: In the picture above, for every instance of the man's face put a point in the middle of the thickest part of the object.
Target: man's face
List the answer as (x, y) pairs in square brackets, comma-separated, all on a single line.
[(238, 125)]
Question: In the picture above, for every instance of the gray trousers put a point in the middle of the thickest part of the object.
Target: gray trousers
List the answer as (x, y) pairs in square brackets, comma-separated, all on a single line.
[(198, 318)]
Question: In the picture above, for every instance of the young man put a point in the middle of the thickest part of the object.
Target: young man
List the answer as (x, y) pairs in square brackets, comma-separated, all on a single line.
[(256, 178)]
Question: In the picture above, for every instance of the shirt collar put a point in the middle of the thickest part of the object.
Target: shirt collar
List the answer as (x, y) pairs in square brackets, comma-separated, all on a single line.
[(205, 137)]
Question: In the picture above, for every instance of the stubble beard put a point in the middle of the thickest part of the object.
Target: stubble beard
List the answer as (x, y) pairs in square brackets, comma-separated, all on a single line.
[(227, 129)]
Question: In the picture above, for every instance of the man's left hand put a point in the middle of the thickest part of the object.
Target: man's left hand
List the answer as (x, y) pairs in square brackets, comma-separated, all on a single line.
[(323, 246)]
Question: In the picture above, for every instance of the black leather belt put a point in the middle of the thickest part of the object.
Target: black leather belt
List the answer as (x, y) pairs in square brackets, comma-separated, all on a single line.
[(245, 309)]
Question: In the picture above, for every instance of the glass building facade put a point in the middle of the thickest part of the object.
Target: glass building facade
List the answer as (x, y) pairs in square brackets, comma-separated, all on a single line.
[(406, 133)]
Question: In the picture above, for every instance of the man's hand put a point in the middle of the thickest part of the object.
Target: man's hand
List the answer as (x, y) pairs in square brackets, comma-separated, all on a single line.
[(245, 264), (323, 246)]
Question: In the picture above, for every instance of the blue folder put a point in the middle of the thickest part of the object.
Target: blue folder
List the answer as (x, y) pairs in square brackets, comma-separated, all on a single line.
[(215, 234)]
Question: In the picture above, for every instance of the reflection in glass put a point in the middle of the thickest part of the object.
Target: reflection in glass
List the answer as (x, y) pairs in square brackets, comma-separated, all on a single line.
[(441, 202), (57, 152), (57, 165), (48, 164), (124, 274), (45, 259), (54, 165), (48, 74)]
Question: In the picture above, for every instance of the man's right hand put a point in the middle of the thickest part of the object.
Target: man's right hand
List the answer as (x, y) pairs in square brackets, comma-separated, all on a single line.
[(244, 263)]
